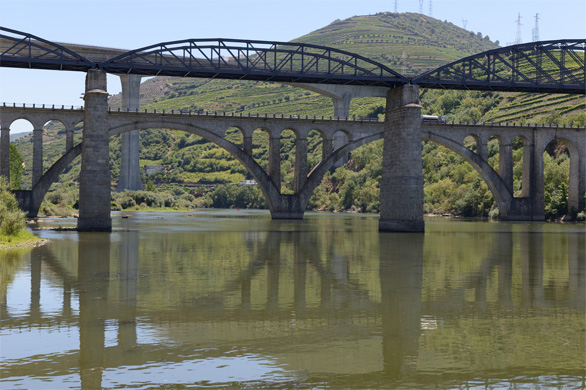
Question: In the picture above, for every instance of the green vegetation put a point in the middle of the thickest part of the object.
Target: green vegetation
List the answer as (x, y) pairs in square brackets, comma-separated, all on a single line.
[(12, 220), (197, 173)]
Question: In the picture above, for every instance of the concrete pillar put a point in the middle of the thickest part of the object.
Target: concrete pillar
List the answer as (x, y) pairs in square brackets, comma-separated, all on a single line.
[(327, 148), (94, 177), (528, 152), (300, 164), (5, 153), (130, 178), (275, 160), (401, 190), (37, 155), (577, 176), (482, 148), (506, 163), (247, 145), (537, 185), (69, 138), (341, 110)]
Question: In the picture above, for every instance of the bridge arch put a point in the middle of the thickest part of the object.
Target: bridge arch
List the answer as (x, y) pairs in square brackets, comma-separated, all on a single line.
[(502, 196), (268, 187), (576, 187)]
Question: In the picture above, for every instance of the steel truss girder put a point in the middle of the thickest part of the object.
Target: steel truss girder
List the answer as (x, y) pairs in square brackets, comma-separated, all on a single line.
[(22, 50), (548, 66), (254, 60)]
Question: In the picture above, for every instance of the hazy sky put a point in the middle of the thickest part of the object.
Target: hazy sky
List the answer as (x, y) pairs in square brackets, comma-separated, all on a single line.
[(131, 24)]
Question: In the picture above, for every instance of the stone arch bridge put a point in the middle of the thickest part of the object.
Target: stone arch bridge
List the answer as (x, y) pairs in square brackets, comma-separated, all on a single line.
[(529, 206)]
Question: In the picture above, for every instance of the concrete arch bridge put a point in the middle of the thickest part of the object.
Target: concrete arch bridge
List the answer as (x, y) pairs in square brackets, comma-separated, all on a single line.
[(529, 206), (545, 67)]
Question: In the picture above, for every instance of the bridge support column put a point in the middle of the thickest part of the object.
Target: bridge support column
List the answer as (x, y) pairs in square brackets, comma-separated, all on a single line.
[(69, 138), (506, 163), (327, 148), (94, 178), (275, 161), (401, 190), (537, 185), (247, 145), (341, 110), (130, 178), (37, 155), (300, 164), (5, 153)]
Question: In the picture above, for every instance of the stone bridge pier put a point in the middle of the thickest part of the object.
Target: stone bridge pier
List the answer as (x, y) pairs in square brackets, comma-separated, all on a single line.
[(401, 188), (94, 178)]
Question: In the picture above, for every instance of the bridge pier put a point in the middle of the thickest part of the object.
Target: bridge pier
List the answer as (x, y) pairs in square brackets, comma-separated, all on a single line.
[(130, 178), (401, 188), (94, 177)]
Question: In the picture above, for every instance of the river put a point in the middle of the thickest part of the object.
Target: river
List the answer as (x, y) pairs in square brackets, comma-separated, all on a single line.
[(233, 299)]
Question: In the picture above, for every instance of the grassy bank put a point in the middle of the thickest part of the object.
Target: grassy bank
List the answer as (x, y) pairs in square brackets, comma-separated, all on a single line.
[(22, 239)]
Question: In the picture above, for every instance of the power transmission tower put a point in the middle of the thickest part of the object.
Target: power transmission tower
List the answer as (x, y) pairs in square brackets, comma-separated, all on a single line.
[(395, 6), (518, 39), (421, 7), (430, 8), (464, 23), (536, 29)]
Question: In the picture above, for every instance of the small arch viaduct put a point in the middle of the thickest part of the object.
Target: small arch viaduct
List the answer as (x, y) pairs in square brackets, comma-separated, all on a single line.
[(340, 75)]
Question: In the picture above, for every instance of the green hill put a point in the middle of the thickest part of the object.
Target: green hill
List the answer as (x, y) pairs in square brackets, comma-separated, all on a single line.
[(409, 43)]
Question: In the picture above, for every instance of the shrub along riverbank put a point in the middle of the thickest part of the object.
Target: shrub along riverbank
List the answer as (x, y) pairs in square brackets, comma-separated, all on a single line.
[(13, 233)]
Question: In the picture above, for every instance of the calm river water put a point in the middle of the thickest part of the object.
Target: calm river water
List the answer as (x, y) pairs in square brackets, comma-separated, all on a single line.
[(232, 299)]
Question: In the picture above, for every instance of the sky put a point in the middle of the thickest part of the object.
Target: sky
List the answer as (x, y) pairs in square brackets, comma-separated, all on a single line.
[(131, 24)]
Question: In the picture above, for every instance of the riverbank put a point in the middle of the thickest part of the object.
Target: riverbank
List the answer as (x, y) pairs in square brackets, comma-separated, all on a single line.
[(23, 240)]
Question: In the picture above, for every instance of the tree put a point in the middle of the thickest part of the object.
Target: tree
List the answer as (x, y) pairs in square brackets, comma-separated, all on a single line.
[(16, 168), (12, 219)]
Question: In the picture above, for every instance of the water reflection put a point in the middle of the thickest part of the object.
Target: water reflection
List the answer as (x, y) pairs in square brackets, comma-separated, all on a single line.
[(312, 304), (401, 278)]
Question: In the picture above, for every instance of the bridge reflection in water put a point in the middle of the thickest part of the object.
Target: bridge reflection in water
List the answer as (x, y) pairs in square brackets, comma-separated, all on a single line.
[(299, 305)]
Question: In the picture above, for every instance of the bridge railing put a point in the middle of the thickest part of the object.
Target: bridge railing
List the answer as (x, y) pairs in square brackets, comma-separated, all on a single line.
[(223, 114), (43, 106)]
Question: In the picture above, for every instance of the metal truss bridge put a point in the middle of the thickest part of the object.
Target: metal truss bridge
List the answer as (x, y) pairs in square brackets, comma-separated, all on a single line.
[(541, 67)]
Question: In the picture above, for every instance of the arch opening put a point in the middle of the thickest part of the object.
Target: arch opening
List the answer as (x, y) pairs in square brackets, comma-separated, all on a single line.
[(560, 180), (21, 158), (454, 186)]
